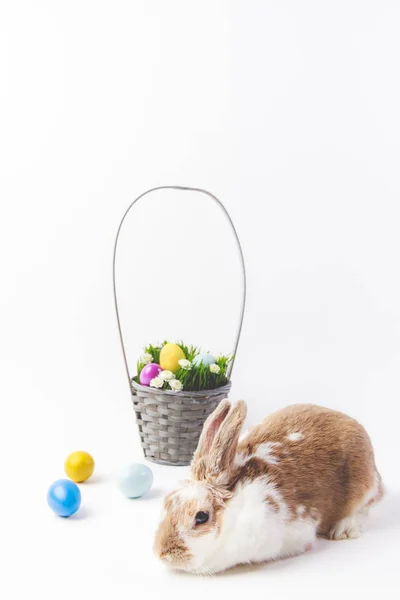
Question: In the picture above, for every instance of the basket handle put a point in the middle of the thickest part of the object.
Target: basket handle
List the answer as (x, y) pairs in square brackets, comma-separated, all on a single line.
[(226, 214)]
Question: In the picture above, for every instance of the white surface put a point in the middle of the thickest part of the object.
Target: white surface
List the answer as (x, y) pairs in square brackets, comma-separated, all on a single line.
[(288, 112)]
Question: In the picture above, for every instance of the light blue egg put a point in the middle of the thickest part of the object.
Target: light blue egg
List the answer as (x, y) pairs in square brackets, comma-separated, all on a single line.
[(205, 359), (135, 480)]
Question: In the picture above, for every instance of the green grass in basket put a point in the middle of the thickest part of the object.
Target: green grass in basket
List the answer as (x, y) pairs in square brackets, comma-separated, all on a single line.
[(189, 351), (199, 377)]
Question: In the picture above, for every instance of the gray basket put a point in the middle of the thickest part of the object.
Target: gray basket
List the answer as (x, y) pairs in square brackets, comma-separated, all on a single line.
[(170, 422)]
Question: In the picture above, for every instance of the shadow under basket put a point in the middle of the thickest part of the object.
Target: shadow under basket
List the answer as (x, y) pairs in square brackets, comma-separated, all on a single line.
[(170, 423)]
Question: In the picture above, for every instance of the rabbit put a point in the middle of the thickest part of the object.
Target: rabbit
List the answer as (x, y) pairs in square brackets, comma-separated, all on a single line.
[(305, 471)]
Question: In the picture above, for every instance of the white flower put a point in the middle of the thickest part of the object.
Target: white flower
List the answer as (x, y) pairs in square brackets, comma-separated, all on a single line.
[(185, 364), (157, 382), (166, 375), (176, 385), (214, 368), (146, 358)]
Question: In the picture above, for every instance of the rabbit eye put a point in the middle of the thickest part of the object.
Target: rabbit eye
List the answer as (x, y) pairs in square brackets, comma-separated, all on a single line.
[(201, 517)]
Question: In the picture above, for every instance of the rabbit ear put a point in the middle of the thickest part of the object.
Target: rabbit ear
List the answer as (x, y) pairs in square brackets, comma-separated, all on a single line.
[(218, 440), (224, 447), (210, 430)]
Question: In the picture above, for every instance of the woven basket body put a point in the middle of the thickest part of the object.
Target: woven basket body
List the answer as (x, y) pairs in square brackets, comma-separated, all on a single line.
[(170, 423)]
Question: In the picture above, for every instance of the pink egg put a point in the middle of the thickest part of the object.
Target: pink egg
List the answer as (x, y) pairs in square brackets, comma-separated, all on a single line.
[(149, 372)]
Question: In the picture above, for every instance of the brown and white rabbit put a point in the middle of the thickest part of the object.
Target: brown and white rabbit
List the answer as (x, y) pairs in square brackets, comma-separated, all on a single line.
[(304, 471)]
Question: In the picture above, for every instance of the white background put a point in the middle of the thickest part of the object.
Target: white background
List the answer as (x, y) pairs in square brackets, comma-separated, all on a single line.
[(289, 112)]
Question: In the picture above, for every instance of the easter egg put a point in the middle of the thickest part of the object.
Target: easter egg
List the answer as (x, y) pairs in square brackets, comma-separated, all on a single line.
[(170, 355), (64, 497), (204, 359), (149, 372), (79, 466), (135, 480)]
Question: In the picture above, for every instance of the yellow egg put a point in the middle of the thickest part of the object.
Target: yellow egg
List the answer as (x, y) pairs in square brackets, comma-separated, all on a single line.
[(79, 466), (169, 357)]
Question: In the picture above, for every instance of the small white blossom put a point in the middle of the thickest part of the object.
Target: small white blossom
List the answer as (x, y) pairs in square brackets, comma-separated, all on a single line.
[(214, 368), (166, 375), (176, 385), (146, 358), (157, 382), (185, 364)]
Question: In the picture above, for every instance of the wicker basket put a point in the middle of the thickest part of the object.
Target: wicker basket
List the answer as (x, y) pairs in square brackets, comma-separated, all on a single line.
[(170, 422)]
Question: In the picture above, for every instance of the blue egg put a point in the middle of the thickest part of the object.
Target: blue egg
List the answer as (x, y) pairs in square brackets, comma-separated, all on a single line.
[(205, 359), (64, 497), (135, 480)]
